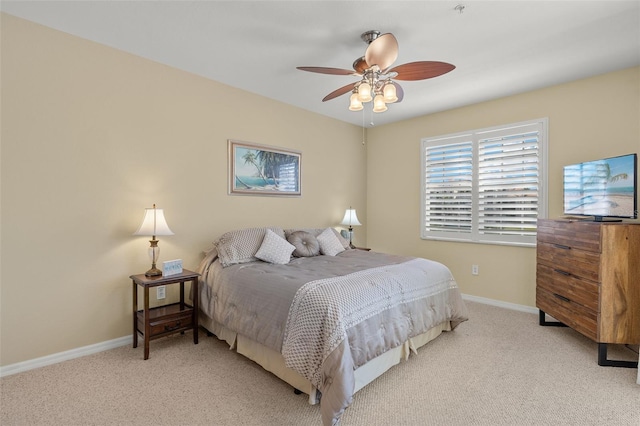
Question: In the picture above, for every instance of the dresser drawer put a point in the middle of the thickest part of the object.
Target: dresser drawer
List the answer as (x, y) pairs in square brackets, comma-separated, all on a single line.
[(576, 235), (573, 314), (578, 290), (578, 263)]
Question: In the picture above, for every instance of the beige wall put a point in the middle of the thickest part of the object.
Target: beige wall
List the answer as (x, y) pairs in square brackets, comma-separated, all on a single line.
[(90, 137), (588, 119)]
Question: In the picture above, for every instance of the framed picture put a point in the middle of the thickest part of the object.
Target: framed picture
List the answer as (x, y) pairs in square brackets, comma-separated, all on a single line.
[(263, 170)]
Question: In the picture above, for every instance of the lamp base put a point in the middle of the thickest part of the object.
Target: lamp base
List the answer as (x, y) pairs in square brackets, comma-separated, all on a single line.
[(153, 272)]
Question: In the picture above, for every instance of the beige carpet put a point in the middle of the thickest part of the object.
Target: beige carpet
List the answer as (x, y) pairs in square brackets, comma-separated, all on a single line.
[(499, 368)]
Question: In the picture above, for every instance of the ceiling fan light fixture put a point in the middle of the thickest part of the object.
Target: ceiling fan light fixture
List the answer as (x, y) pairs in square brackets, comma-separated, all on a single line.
[(389, 93), (378, 104), (364, 92), (354, 102), (377, 77)]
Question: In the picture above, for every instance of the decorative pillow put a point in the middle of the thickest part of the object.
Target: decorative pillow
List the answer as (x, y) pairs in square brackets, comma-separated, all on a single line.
[(317, 231), (329, 243), (275, 249), (240, 246), (343, 241), (305, 243)]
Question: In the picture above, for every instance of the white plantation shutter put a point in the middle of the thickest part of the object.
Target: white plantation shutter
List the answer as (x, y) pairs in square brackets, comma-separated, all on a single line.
[(486, 185), (448, 183)]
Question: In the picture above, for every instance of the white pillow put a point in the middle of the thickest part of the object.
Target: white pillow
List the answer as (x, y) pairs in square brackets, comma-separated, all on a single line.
[(275, 249), (330, 245)]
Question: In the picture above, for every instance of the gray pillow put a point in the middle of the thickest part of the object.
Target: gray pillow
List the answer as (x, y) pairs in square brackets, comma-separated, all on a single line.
[(305, 243), (317, 231), (241, 245)]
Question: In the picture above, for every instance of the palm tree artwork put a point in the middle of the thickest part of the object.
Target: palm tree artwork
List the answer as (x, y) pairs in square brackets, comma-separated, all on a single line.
[(265, 171), (251, 158)]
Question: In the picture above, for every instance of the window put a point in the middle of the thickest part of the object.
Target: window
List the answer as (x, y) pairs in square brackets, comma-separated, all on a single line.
[(485, 186)]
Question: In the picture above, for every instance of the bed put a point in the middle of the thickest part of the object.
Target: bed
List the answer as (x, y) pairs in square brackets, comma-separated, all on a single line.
[(324, 317)]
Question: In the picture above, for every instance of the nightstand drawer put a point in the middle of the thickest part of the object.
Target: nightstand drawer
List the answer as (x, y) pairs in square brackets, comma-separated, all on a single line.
[(166, 319), (169, 325)]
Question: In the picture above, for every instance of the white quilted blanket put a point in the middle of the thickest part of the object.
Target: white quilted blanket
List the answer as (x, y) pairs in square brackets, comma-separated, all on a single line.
[(420, 293)]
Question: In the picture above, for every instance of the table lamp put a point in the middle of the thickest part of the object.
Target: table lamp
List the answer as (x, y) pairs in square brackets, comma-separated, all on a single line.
[(350, 219), (153, 224)]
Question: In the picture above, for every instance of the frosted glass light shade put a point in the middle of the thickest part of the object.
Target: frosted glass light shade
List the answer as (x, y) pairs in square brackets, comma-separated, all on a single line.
[(354, 103), (153, 223), (378, 104), (350, 218), (389, 93), (364, 92)]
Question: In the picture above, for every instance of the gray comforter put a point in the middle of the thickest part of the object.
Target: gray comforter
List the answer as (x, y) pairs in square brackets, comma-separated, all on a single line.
[(328, 315)]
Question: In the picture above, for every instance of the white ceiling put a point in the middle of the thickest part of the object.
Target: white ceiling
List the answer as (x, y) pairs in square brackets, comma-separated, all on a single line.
[(500, 48)]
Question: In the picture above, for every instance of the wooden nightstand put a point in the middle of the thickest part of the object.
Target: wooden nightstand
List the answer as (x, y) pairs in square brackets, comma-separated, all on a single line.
[(168, 319)]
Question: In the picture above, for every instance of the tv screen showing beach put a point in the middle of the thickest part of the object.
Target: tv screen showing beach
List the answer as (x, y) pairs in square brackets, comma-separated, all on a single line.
[(601, 188)]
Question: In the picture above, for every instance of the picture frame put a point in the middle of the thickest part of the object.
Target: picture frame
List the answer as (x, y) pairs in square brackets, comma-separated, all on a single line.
[(171, 267), (263, 170)]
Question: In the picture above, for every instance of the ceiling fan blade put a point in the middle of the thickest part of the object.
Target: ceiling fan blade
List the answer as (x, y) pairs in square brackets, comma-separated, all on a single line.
[(383, 51), (339, 92), (325, 70), (421, 70), (360, 65)]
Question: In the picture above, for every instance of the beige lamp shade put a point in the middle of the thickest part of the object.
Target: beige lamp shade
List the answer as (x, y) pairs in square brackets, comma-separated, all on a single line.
[(153, 223), (350, 218)]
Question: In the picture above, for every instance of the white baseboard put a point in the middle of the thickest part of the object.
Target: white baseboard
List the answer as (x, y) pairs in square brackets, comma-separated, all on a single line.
[(65, 356), (501, 304), (127, 340)]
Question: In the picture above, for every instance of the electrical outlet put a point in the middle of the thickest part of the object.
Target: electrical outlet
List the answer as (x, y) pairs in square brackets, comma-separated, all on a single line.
[(475, 270), (160, 292)]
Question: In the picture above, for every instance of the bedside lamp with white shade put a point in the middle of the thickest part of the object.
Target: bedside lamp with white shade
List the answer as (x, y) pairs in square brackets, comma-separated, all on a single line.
[(350, 219), (153, 224)]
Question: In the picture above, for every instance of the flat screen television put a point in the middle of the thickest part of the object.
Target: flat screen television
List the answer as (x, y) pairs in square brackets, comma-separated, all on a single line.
[(605, 188)]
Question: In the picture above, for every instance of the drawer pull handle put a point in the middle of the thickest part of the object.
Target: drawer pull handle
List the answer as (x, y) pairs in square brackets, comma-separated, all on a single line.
[(563, 247), (561, 297), (167, 328), (568, 274)]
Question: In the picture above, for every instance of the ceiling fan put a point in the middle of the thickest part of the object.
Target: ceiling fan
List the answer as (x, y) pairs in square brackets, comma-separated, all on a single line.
[(377, 77)]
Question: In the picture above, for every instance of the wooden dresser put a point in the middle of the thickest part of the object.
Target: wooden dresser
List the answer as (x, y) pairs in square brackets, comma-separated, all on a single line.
[(588, 278)]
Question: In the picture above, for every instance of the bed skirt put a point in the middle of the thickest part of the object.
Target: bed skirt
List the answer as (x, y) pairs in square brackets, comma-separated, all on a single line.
[(273, 361)]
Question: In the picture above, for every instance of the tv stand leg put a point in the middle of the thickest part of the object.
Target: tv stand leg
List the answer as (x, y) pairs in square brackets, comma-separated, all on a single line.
[(604, 362), (543, 321)]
